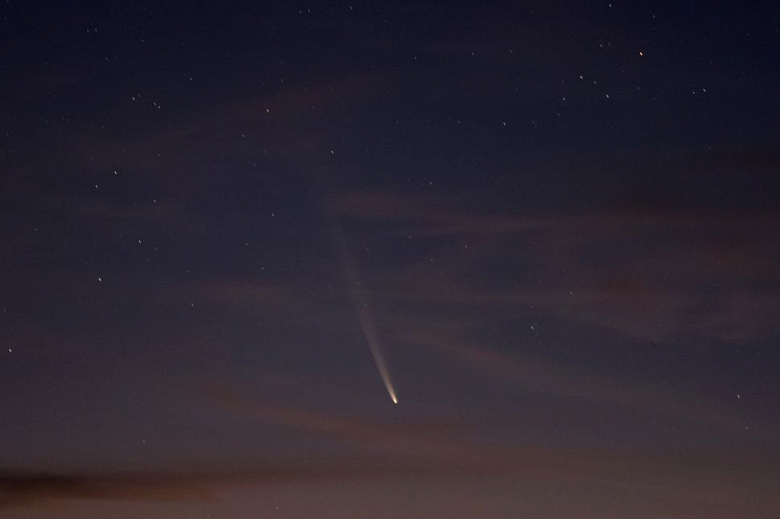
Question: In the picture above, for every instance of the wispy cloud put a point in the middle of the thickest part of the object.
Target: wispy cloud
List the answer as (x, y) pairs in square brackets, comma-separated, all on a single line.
[(408, 451), (539, 376), (653, 275)]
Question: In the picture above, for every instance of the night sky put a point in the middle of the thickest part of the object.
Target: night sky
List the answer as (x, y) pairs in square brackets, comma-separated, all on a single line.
[(232, 233)]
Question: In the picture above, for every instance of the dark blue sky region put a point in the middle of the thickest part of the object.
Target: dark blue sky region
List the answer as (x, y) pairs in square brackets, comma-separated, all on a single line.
[(557, 222)]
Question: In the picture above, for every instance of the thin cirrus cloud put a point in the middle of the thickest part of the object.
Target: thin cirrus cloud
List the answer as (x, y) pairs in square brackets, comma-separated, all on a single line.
[(380, 451), (19, 489), (652, 275), (520, 372), (636, 473), (437, 443)]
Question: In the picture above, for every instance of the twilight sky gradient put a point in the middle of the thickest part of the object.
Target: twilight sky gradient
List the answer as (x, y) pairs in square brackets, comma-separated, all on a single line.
[(560, 219)]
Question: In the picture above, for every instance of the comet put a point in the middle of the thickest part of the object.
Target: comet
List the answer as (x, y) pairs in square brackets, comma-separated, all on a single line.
[(363, 312)]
